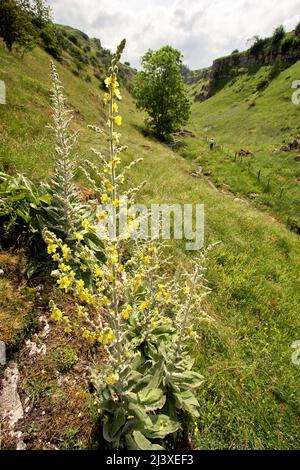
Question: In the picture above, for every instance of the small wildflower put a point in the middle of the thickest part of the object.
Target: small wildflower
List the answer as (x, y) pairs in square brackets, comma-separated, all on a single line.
[(112, 379), (126, 311), (78, 236), (56, 314), (106, 98), (117, 94), (80, 285), (65, 251), (64, 267), (104, 198), (86, 225), (51, 248)]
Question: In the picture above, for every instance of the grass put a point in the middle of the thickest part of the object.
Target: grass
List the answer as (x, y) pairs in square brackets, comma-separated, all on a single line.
[(250, 398)]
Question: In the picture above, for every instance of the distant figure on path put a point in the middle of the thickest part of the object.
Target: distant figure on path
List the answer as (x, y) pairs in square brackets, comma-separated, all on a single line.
[(211, 143)]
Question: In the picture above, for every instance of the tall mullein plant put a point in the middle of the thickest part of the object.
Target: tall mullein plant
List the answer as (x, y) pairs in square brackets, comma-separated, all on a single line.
[(65, 209), (132, 309)]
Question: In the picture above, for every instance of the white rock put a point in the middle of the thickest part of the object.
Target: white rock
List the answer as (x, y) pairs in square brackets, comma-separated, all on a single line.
[(10, 403)]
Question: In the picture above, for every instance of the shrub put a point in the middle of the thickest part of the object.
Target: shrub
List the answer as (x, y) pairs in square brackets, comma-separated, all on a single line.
[(258, 45), (288, 43), (51, 43), (276, 69), (73, 39), (262, 84), (297, 29)]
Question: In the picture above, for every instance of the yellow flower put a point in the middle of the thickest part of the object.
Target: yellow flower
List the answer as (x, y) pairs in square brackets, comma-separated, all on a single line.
[(56, 314), (137, 281), (159, 295), (167, 295), (78, 236), (118, 120), (102, 216), (196, 429), (144, 305), (65, 251), (65, 282), (52, 248), (111, 81), (106, 336), (116, 202), (126, 311), (112, 379), (121, 179), (115, 107), (108, 185), (106, 98), (115, 161), (80, 285), (86, 296), (117, 94), (98, 271), (64, 267), (86, 224), (104, 198)]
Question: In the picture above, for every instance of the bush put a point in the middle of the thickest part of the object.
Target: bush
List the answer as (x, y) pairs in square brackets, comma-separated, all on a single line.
[(276, 69), (258, 45), (288, 43), (73, 39), (51, 44), (297, 29)]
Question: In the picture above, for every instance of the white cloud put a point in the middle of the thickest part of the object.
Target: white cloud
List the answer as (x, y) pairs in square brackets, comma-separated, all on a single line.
[(202, 30)]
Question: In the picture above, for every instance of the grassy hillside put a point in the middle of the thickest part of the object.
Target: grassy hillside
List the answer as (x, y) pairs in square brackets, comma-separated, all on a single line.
[(252, 115), (250, 398)]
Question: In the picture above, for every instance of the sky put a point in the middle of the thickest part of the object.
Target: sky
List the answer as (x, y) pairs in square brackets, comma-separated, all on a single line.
[(202, 30)]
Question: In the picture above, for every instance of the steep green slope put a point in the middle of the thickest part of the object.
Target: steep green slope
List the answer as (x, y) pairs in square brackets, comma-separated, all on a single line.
[(250, 398), (245, 115)]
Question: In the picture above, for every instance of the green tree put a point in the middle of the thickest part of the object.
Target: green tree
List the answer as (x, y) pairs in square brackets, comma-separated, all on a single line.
[(15, 24), (159, 89)]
